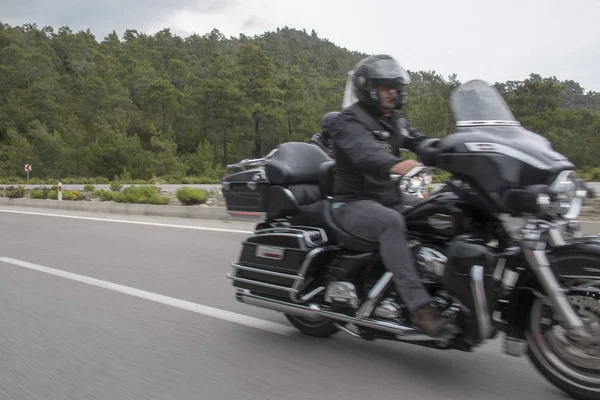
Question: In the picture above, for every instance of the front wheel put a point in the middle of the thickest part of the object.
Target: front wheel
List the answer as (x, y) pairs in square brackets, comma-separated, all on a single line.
[(571, 367), (321, 327)]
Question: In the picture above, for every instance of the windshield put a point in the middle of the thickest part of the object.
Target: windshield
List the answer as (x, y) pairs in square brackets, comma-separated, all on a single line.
[(478, 103), (349, 96)]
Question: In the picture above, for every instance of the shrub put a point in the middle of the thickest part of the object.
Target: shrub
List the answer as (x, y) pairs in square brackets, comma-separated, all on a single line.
[(105, 195), (13, 192), (73, 195), (116, 186), (134, 194), (143, 195), (38, 194), (191, 196), (89, 188)]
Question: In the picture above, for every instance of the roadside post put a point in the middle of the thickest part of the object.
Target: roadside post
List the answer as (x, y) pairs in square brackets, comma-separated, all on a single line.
[(28, 170)]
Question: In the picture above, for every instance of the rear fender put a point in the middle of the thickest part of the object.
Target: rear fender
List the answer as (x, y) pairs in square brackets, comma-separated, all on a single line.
[(578, 259)]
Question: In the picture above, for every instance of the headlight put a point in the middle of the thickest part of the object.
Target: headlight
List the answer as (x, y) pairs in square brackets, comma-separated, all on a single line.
[(566, 196)]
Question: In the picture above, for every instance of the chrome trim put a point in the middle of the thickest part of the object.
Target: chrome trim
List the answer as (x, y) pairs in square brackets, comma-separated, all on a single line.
[(308, 229), (499, 270), (507, 151), (288, 234), (433, 260), (564, 177), (480, 301), (575, 209), (263, 284), (555, 238), (420, 337), (488, 122), (340, 292), (374, 295), (280, 230), (312, 293), (387, 309), (301, 277), (576, 202), (283, 230), (314, 310), (348, 331), (252, 162), (539, 264), (262, 271)]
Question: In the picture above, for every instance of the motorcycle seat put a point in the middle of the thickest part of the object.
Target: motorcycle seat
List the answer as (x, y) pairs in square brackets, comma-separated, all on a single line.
[(320, 214)]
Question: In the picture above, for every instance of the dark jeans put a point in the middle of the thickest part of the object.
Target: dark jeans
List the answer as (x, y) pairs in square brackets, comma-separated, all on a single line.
[(372, 221)]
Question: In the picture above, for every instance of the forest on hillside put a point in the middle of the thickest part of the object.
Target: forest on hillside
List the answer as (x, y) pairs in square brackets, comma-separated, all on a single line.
[(162, 106)]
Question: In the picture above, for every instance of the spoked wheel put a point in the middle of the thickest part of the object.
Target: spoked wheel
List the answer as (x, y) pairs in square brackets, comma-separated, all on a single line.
[(318, 327), (570, 366)]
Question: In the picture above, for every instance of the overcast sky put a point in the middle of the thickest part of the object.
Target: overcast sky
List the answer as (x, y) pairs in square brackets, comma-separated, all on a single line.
[(495, 40)]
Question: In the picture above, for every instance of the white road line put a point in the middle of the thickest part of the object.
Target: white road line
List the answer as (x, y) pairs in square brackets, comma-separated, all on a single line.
[(124, 221), (158, 298)]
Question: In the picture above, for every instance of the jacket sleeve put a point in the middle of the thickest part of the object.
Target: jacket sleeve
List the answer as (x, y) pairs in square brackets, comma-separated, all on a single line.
[(356, 143)]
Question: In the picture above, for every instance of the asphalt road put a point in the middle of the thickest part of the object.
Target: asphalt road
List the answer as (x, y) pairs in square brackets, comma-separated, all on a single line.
[(82, 317)]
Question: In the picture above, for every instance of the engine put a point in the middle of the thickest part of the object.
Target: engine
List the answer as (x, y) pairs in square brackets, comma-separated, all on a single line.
[(430, 263)]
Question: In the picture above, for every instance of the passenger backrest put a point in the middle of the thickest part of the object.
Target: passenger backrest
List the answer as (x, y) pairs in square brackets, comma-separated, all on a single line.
[(298, 175), (296, 163)]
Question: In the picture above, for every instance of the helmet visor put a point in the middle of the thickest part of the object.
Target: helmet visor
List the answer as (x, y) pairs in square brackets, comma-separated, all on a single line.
[(387, 70)]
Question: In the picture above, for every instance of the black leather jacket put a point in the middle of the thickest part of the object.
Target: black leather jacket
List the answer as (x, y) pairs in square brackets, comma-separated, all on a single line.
[(367, 145)]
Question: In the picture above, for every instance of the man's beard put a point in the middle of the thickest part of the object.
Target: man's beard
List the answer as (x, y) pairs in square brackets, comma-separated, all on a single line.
[(388, 103)]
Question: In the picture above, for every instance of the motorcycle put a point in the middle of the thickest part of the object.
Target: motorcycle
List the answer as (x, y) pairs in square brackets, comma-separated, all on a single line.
[(537, 283)]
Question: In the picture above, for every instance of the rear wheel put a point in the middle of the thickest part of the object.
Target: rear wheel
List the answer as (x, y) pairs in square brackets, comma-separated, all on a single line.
[(321, 327), (570, 366)]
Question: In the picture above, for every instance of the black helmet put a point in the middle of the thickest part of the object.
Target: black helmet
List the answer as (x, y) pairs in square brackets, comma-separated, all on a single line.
[(326, 122), (375, 70)]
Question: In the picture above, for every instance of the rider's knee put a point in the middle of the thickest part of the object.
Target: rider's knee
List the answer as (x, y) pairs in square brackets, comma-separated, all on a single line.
[(395, 220)]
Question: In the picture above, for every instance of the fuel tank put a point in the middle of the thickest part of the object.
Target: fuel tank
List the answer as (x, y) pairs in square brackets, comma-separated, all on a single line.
[(446, 215)]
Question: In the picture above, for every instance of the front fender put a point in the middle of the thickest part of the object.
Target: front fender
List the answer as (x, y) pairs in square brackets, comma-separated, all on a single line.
[(578, 259)]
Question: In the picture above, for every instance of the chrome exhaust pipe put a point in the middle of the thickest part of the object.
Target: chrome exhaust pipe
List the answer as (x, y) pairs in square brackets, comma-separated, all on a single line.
[(244, 296), (313, 311)]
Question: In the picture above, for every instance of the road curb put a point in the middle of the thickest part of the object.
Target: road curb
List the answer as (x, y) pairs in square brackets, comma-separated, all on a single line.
[(198, 212)]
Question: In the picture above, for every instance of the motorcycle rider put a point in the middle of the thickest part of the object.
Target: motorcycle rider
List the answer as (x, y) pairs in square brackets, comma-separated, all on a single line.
[(367, 137), (323, 139)]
